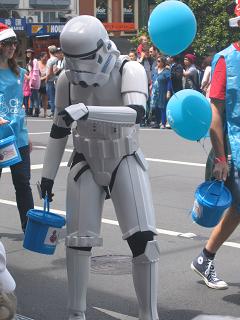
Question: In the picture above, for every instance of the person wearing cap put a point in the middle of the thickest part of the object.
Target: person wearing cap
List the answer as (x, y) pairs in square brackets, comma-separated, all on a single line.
[(224, 159), (8, 301), (51, 77), (190, 74), (12, 112), (34, 82)]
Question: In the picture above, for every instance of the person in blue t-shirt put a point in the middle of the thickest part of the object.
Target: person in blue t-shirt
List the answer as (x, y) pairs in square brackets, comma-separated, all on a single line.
[(13, 113)]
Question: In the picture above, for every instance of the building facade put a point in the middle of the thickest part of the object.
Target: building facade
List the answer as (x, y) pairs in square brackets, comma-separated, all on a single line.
[(38, 23)]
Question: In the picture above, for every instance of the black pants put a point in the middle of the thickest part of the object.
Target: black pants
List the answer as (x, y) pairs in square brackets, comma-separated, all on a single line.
[(21, 181)]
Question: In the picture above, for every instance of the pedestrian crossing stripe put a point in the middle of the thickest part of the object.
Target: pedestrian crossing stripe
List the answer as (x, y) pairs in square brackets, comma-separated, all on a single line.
[(19, 317)]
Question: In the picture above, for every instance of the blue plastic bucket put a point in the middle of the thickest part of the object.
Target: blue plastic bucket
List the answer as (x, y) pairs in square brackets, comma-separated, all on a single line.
[(43, 229), (9, 154), (212, 198)]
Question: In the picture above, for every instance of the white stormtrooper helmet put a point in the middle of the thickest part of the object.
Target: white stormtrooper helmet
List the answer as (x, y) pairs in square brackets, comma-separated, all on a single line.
[(89, 53)]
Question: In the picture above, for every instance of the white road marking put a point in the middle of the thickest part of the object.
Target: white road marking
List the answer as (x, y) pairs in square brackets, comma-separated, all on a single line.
[(19, 317), (177, 162), (36, 133), (195, 164), (116, 315), (34, 167), (187, 235), (39, 120), (64, 164)]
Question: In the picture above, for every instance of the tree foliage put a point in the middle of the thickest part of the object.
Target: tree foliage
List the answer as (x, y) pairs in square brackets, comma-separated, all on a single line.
[(213, 31)]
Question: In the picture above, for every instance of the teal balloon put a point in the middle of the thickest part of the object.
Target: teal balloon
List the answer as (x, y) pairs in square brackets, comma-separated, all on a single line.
[(172, 27), (189, 114)]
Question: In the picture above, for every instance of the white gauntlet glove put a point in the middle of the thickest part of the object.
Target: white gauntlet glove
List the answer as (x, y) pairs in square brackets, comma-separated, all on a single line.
[(74, 112)]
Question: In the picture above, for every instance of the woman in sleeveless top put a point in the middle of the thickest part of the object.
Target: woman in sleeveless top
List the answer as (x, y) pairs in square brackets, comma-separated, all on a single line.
[(42, 91)]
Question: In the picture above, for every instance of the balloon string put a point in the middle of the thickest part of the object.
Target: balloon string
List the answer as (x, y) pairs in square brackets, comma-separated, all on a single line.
[(202, 144)]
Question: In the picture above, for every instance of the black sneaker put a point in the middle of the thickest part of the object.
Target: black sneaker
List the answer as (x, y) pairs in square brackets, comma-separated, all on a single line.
[(204, 267)]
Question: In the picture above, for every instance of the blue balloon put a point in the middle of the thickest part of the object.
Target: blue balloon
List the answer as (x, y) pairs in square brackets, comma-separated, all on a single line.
[(172, 27), (189, 114)]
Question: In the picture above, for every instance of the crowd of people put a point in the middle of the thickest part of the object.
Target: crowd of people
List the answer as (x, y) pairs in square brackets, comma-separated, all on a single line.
[(166, 76), (40, 80)]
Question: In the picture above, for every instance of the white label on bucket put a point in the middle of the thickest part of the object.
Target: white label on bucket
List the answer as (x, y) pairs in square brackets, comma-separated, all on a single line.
[(52, 236), (197, 209), (8, 153)]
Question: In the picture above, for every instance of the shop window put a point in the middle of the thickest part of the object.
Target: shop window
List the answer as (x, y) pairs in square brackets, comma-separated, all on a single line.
[(128, 10), (102, 10)]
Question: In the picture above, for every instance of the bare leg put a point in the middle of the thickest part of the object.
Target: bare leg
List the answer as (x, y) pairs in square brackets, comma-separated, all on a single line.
[(45, 104), (223, 230)]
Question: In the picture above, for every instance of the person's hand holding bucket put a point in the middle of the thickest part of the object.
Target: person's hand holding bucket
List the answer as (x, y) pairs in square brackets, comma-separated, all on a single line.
[(46, 188), (220, 169)]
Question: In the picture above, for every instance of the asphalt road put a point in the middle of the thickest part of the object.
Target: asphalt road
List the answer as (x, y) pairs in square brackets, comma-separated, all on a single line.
[(176, 167)]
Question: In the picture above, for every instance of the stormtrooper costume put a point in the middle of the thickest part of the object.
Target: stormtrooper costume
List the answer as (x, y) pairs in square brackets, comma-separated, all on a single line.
[(104, 95)]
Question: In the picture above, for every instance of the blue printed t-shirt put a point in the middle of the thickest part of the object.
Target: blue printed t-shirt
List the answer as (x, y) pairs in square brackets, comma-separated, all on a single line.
[(11, 103)]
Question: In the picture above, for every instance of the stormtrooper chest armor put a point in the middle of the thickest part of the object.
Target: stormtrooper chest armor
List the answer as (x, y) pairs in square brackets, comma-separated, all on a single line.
[(104, 141)]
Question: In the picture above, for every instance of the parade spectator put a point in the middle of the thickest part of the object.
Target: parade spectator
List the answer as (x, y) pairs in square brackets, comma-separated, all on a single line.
[(176, 70), (153, 53), (132, 55), (160, 92), (225, 139), (146, 62), (206, 80), (12, 111), (26, 92), (190, 74), (34, 82), (60, 63), (8, 300), (42, 63), (51, 77), (143, 45)]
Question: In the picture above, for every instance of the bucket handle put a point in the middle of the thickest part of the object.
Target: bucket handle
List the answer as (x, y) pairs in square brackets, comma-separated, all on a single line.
[(46, 205), (215, 193)]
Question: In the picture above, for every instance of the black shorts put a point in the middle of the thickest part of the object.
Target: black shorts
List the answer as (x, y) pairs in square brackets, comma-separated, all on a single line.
[(232, 182), (43, 90)]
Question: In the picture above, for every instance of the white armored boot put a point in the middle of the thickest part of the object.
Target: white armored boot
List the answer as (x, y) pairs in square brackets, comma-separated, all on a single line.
[(78, 266), (145, 279)]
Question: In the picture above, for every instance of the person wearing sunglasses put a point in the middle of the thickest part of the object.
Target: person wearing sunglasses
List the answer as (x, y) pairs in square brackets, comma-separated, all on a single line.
[(13, 113), (160, 92)]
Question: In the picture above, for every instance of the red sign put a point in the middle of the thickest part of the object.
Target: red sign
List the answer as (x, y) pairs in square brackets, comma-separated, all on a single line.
[(119, 26)]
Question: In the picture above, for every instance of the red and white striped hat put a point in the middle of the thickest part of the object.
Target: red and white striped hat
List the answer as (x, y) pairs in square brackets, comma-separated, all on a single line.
[(234, 22), (6, 32)]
